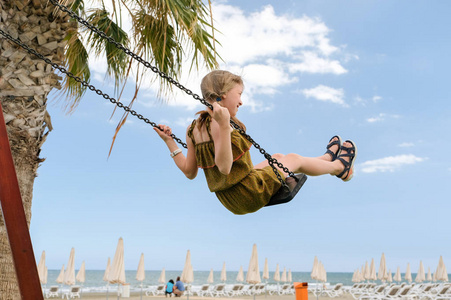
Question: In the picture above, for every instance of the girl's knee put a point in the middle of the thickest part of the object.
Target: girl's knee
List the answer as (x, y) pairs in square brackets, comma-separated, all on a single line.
[(278, 156)]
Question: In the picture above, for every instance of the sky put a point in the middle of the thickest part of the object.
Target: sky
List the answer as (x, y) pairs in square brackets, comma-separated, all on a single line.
[(375, 72)]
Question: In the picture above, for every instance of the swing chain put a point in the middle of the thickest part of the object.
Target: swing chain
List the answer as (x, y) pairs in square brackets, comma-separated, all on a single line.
[(130, 53), (89, 86), (271, 161)]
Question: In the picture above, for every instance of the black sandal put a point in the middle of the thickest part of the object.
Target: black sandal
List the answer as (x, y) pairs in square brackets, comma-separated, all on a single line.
[(351, 152), (332, 143)]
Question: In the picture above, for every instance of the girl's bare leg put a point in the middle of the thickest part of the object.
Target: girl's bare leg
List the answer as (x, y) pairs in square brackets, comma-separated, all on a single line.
[(312, 166)]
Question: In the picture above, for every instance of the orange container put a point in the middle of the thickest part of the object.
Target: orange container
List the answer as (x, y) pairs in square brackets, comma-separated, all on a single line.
[(301, 289)]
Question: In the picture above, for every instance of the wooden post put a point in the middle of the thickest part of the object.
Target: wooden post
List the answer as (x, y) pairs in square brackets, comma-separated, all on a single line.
[(16, 222)]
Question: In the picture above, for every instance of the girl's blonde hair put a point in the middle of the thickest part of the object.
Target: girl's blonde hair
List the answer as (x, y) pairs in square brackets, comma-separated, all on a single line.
[(215, 85)]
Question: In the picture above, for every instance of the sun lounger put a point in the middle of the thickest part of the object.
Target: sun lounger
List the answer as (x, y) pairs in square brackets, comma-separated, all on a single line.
[(202, 291), (53, 292), (155, 290), (442, 294), (73, 293), (217, 290), (236, 290), (334, 292)]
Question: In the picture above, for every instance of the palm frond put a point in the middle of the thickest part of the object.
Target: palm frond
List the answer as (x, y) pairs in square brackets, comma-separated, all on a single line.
[(76, 62), (193, 25), (117, 60)]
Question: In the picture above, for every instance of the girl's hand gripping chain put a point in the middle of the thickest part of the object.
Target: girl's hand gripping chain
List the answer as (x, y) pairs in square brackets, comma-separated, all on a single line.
[(220, 114)]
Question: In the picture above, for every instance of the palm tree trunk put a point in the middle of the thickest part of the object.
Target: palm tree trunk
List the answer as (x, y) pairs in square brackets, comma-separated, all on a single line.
[(25, 82)]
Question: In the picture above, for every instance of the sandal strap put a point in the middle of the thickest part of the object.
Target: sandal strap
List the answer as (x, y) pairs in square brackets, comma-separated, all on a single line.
[(347, 165), (333, 144), (334, 156)]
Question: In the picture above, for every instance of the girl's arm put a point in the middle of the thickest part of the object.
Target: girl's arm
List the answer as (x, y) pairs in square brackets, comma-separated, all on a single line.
[(188, 164), (221, 134)]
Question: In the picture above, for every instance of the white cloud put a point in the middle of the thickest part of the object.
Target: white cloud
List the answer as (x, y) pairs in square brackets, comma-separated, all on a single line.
[(262, 34), (365, 101), (390, 163), (381, 117), (325, 93), (376, 98), (312, 63), (406, 145), (269, 49)]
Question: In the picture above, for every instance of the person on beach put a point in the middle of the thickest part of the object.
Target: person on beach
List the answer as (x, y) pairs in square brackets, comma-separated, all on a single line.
[(179, 288), (169, 288), (223, 153)]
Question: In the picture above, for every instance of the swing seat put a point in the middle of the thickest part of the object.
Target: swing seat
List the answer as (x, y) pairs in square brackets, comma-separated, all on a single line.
[(288, 192)]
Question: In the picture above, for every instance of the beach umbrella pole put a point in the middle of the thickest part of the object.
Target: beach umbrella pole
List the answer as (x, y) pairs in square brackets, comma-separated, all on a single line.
[(266, 287), (316, 288), (107, 291), (141, 290)]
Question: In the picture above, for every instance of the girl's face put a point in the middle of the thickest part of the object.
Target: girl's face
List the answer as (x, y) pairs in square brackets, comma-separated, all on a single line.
[(232, 99)]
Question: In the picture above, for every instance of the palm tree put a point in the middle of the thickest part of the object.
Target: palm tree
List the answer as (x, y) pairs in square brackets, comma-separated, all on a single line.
[(164, 32)]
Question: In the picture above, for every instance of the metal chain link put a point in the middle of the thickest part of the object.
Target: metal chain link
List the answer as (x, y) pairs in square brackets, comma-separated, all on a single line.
[(271, 161), (89, 86)]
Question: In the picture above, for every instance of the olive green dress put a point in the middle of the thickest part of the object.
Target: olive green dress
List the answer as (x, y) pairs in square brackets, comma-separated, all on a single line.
[(245, 189)]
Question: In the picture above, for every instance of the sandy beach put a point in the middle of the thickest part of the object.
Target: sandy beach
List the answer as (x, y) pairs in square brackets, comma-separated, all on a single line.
[(136, 296)]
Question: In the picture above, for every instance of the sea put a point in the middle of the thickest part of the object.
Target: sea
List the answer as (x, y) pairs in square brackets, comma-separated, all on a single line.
[(94, 279)]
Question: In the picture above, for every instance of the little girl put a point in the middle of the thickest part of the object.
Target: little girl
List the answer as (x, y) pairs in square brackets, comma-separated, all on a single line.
[(223, 153)]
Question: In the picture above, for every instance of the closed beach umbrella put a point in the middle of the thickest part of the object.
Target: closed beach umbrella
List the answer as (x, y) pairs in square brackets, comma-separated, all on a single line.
[(105, 275), (60, 278), (140, 273), (266, 270), (429, 276), (373, 270), (367, 273), (223, 273), (69, 275), (397, 275), (46, 275), (277, 274), (382, 273), (354, 276), (240, 276), (81, 275), (314, 274), (283, 278), (323, 273), (210, 277), (41, 268), (187, 273), (289, 277), (253, 272), (444, 274), (117, 270), (358, 276), (389, 277), (439, 270), (162, 278), (107, 270), (421, 276), (408, 275)]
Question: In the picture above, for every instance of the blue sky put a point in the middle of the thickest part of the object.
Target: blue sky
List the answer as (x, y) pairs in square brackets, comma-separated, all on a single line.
[(376, 72)]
